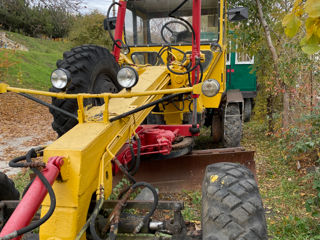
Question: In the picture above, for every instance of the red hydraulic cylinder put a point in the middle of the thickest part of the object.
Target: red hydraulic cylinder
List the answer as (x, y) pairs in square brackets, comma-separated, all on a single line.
[(119, 27), (33, 198)]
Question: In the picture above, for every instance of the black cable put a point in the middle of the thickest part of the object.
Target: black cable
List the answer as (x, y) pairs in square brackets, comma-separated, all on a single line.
[(201, 72), (49, 105), (177, 107), (183, 73), (108, 26), (34, 225), (183, 20), (138, 109)]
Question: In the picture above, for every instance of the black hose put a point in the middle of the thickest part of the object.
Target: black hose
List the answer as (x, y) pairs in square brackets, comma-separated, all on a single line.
[(47, 185), (124, 170), (133, 158), (137, 159), (138, 109), (183, 73), (93, 219), (49, 105), (154, 205)]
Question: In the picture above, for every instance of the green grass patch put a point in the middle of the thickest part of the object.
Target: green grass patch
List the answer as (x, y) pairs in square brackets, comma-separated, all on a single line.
[(283, 189), (31, 68), (21, 180)]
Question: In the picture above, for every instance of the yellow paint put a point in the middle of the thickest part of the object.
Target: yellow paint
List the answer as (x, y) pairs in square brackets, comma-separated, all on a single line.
[(85, 146), (3, 87), (213, 178), (90, 146)]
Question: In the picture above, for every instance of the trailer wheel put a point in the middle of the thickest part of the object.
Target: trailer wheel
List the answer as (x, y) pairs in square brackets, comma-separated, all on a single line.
[(8, 191), (93, 70), (247, 109), (231, 204), (232, 126)]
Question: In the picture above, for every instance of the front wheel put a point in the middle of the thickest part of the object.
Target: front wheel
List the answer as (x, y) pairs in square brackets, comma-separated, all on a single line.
[(8, 191), (93, 69), (231, 204)]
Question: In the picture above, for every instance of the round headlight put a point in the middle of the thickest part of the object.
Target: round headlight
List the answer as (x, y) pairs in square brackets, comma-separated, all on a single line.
[(60, 78), (127, 77), (210, 87)]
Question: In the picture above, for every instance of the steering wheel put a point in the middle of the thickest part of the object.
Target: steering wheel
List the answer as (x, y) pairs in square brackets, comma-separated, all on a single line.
[(176, 36)]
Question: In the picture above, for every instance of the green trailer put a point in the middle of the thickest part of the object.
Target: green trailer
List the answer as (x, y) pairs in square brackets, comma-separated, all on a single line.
[(240, 76)]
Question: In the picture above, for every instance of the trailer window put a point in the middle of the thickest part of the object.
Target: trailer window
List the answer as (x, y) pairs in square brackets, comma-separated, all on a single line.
[(244, 58)]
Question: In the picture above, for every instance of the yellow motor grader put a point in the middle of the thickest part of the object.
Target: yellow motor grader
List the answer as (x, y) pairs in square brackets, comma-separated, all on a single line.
[(135, 112)]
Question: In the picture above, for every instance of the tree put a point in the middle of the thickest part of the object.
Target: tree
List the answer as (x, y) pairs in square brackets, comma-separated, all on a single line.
[(308, 13), (281, 71), (88, 29)]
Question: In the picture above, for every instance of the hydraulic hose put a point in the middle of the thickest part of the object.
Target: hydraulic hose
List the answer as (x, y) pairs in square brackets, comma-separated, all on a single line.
[(49, 105), (138, 109), (137, 159), (93, 217), (154, 205), (34, 225)]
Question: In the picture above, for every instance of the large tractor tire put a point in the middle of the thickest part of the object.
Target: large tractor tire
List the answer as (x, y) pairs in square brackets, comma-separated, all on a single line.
[(93, 70), (232, 126), (231, 204), (247, 109), (8, 191)]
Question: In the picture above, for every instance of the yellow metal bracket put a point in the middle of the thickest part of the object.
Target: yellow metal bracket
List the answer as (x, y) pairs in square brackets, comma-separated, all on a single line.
[(3, 87), (80, 109)]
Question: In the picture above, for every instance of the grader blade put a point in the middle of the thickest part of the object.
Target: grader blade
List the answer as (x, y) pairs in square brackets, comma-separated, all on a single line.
[(186, 172)]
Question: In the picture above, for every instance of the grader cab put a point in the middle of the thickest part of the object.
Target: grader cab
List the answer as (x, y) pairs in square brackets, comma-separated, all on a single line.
[(137, 111)]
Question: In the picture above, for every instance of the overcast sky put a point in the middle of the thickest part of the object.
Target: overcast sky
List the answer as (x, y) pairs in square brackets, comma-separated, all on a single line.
[(100, 5)]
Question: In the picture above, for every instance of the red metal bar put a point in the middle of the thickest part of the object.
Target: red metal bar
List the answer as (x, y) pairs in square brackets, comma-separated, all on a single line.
[(196, 24), (33, 198), (119, 27)]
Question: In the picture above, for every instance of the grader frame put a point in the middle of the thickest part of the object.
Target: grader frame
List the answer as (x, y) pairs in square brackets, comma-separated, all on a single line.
[(89, 148)]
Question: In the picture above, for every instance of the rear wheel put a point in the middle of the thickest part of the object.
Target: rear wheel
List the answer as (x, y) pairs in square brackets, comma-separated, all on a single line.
[(8, 191), (93, 70), (231, 204), (232, 126), (216, 128)]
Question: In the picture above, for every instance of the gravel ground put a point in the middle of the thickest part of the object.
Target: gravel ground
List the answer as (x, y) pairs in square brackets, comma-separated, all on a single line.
[(23, 124)]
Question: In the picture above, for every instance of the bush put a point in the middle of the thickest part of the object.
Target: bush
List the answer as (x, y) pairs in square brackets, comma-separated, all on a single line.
[(88, 29), (304, 141), (34, 20)]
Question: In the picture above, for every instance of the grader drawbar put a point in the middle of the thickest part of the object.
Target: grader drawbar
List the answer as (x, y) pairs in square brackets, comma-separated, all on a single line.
[(134, 114)]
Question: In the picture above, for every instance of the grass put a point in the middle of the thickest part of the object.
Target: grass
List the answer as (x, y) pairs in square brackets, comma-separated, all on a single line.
[(21, 180), (31, 68), (283, 189)]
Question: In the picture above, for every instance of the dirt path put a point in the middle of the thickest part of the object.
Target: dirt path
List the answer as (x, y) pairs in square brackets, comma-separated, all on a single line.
[(23, 124)]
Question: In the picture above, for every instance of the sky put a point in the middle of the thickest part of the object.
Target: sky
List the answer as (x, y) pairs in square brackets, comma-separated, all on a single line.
[(100, 5)]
